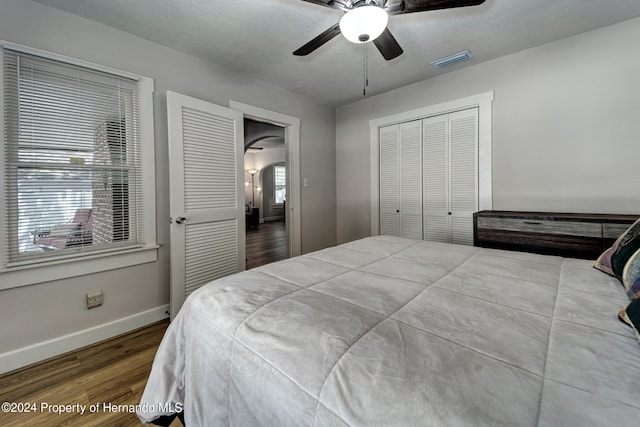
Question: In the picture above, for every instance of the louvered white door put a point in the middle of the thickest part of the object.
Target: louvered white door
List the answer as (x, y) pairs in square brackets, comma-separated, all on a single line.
[(400, 180), (436, 178), (411, 179), (206, 194), (463, 174), (389, 181), (450, 175)]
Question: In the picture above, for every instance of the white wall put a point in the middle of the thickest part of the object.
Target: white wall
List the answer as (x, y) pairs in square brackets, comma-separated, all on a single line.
[(566, 127), (35, 314)]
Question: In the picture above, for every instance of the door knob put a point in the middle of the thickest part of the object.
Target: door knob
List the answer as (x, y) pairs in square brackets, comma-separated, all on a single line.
[(181, 220)]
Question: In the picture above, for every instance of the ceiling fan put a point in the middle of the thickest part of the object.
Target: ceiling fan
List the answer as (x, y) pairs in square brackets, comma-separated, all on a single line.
[(366, 20)]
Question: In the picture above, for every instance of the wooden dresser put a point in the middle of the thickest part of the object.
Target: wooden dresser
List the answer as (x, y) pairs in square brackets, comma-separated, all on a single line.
[(566, 234)]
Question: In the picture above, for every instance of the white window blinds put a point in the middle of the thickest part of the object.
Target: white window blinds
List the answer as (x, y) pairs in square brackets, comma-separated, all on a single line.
[(72, 158), (280, 184)]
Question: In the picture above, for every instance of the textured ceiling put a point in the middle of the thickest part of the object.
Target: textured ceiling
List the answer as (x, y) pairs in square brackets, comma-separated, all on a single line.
[(257, 37)]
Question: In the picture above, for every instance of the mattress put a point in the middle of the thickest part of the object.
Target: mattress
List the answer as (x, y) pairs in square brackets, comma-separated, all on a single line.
[(386, 331)]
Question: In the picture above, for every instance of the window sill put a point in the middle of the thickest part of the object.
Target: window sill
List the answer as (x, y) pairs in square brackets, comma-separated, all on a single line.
[(31, 274)]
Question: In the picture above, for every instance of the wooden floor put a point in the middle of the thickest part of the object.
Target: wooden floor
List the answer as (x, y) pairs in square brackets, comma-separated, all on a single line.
[(114, 372), (267, 244), (110, 373)]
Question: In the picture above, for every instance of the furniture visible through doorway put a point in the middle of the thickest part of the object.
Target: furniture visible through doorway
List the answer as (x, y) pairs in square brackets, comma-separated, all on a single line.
[(252, 218)]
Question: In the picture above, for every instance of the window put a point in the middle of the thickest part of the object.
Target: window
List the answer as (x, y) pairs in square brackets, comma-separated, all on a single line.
[(279, 184), (73, 166)]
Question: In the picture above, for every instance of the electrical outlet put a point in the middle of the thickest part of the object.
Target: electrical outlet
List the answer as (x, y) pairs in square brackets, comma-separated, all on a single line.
[(95, 299)]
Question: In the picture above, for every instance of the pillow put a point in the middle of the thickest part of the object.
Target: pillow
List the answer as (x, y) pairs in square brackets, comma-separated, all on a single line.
[(627, 246), (631, 316), (631, 276), (605, 261)]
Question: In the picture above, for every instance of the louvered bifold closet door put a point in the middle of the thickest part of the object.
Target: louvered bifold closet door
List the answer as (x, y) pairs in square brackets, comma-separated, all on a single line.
[(207, 231), (463, 174), (411, 179), (389, 181), (435, 133)]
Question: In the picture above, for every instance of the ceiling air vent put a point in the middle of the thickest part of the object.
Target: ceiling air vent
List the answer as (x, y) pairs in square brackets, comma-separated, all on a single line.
[(452, 59)]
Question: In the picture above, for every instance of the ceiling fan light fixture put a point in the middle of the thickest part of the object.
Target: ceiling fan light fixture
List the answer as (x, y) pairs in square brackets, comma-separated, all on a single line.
[(364, 24)]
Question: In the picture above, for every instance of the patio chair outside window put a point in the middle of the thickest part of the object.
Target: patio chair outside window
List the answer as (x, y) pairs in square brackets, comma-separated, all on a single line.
[(78, 232)]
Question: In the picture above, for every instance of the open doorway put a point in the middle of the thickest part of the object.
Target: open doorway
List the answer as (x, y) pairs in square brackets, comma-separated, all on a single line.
[(265, 192), (291, 127)]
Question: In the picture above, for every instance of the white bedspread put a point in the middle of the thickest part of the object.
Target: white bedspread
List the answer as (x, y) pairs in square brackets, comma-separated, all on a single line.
[(386, 331)]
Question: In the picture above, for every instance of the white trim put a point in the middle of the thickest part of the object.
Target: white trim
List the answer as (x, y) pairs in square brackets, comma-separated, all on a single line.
[(485, 187), (79, 266), (44, 350), (481, 100), (4, 209), (292, 153), (68, 60), (148, 159)]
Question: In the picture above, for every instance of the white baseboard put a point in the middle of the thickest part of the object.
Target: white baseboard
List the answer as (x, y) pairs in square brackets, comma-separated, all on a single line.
[(273, 218), (44, 350)]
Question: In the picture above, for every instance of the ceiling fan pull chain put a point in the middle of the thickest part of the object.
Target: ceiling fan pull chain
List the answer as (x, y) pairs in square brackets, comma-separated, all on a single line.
[(366, 64), (365, 70)]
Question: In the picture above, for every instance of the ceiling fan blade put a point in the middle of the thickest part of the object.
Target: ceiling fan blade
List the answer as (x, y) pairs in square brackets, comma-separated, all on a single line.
[(318, 41), (388, 45), (411, 6), (326, 3)]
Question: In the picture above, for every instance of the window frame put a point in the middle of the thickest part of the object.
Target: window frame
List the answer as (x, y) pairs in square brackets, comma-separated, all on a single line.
[(284, 166), (28, 272)]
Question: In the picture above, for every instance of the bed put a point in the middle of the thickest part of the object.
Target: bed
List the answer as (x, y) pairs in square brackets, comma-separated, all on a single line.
[(386, 331)]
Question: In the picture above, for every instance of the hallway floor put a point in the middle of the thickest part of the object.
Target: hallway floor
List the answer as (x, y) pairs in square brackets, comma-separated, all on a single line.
[(267, 244)]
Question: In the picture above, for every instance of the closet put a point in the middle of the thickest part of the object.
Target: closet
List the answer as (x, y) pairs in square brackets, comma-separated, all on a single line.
[(401, 180), (429, 177)]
